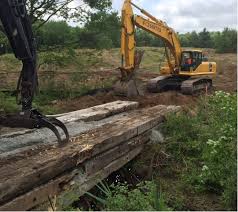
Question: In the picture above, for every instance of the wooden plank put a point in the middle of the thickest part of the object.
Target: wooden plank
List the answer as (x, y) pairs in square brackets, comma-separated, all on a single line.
[(21, 175), (79, 188), (78, 176), (75, 182), (89, 114), (99, 112), (103, 159), (22, 140)]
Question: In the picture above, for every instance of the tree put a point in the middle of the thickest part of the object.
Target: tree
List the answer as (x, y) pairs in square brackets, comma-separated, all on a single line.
[(204, 39), (41, 11), (194, 39), (102, 30), (185, 39), (226, 41), (105, 23), (4, 44), (144, 38), (54, 34)]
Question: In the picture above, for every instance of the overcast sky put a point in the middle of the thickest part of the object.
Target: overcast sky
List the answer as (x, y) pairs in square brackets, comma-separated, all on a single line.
[(188, 15)]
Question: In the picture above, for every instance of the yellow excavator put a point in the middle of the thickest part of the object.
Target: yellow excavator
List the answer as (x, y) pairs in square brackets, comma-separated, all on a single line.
[(185, 70)]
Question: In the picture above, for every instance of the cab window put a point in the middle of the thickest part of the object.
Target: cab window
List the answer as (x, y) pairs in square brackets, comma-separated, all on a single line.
[(197, 59), (185, 57)]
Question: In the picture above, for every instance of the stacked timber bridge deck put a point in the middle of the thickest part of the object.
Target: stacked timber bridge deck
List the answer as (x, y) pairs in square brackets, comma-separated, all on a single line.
[(103, 139)]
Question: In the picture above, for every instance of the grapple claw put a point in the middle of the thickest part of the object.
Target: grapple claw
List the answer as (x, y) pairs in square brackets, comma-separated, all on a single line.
[(33, 119), (51, 122)]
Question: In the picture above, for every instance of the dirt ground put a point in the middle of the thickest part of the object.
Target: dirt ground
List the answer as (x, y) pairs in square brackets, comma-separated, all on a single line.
[(226, 80), (105, 71)]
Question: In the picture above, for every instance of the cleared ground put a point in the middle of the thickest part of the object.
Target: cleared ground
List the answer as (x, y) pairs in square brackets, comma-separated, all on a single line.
[(96, 70), (225, 80)]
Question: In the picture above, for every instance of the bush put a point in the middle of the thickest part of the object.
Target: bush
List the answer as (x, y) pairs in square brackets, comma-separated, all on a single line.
[(146, 196), (8, 103), (103, 42), (60, 59), (207, 142)]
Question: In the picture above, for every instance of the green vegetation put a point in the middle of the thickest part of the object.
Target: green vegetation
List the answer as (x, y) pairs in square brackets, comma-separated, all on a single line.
[(63, 9), (145, 196), (102, 31), (122, 197), (205, 147), (198, 155), (223, 42), (7, 103), (50, 94), (63, 76)]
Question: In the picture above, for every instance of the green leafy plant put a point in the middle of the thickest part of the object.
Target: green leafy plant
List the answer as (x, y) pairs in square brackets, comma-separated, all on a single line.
[(207, 142), (8, 103), (121, 197)]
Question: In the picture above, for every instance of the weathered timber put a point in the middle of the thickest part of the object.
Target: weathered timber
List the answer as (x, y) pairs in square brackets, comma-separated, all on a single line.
[(98, 112), (77, 181), (20, 140), (30, 177)]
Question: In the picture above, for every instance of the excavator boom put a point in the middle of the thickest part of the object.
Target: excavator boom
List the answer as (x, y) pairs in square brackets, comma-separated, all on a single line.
[(151, 25)]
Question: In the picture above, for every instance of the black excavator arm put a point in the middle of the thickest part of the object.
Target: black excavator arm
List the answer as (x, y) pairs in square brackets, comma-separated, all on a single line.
[(18, 29)]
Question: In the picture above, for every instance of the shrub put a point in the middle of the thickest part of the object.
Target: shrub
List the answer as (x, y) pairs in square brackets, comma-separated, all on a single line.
[(8, 103), (60, 59), (146, 196), (208, 143)]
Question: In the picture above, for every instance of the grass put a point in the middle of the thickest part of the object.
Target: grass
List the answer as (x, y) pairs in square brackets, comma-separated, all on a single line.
[(68, 64), (9, 63), (8, 103), (197, 161), (64, 74), (121, 197), (54, 91)]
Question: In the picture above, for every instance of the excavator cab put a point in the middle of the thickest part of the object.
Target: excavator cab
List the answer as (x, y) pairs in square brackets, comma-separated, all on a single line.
[(194, 63), (191, 60)]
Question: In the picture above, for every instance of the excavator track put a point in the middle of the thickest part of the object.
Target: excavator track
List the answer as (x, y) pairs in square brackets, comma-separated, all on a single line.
[(191, 86), (187, 85), (163, 83), (157, 84)]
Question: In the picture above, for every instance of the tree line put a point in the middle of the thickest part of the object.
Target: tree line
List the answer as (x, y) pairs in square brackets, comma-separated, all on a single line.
[(224, 41), (101, 30)]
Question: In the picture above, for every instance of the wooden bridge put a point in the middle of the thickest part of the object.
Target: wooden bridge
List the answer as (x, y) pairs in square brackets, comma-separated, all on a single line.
[(103, 139)]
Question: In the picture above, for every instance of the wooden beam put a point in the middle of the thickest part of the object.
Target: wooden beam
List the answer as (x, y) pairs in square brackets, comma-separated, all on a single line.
[(47, 170), (77, 181), (18, 141), (89, 114)]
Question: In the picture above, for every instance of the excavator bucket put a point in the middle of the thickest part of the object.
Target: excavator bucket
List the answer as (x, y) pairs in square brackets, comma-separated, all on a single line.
[(129, 85), (128, 88)]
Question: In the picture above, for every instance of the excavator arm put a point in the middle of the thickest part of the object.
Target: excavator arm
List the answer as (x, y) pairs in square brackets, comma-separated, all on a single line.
[(18, 29), (152, 25)]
